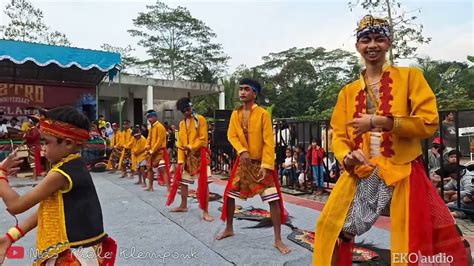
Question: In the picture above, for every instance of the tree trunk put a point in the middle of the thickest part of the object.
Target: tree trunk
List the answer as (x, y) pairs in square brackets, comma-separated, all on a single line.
[(392, 33)]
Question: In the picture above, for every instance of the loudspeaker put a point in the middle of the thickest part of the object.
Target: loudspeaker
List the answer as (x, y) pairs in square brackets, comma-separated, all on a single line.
[(220, 137), (222, 114), (221, 125)]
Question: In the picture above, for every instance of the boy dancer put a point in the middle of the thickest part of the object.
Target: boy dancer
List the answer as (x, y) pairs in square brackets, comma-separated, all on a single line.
[(139, 156), (254, 171), (157, 154), (127, 139), (69, 219), (378, 123), (194, 155), (116, 145)]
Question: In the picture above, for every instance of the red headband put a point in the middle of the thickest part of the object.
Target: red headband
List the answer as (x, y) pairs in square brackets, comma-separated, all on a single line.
[(64, 130)]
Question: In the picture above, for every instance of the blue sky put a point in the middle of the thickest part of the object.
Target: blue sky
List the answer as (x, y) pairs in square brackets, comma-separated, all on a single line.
[(251, 29)]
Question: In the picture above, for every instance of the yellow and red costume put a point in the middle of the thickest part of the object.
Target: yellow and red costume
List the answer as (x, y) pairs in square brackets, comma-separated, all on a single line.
[(139, 152), (116, 145), (70, 226), (156, 146), (253, 134), (126, 141), (193, 134), (420, 221)]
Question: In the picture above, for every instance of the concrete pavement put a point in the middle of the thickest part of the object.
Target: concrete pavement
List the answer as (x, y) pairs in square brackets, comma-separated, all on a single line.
[(148, 234)]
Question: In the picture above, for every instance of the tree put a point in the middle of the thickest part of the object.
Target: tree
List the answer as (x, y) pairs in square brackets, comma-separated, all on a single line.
[(451, 82), (125, 53), (406, 33), (179, 45), (26, 24), (206, 104), (306, 81)]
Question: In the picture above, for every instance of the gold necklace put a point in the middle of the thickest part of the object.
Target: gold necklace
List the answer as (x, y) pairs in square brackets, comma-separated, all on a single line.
[(375, 100), (66, 159)]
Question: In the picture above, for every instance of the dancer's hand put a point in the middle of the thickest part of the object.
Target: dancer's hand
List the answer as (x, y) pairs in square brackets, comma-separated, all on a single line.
[(355, 158), (5, 243), (10, 163), (262, 174), (361, 124), (245, 156)]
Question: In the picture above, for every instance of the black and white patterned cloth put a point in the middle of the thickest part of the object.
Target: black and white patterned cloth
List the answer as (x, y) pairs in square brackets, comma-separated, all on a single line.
[(371, 200)]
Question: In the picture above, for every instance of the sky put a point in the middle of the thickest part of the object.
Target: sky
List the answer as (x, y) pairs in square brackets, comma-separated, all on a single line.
[(251, 29)]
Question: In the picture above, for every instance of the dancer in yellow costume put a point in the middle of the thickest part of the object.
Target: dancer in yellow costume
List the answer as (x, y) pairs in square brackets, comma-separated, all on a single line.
[(378, 123), (193, 159), (116, 146), (250, 133), (139, 152), (126, 141), (69, 221), (157, 156)]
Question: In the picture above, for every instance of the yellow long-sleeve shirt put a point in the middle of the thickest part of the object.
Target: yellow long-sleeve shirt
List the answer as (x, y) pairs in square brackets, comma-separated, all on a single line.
[(411, 103), (192, 137), (117, 140), (406, 96), (260, 143), (127, 139), (156, 137), (139, 149)]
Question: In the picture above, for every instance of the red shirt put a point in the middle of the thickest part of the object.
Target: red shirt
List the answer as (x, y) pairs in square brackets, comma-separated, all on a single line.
[(316, 155)]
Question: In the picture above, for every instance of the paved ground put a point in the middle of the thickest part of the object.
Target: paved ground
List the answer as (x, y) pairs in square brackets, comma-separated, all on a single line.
[(148, 234)]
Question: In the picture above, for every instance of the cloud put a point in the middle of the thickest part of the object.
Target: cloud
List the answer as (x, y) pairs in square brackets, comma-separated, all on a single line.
[(451, 42)]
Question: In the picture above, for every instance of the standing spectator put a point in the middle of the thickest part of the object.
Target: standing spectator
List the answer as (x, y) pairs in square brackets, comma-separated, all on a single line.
[(282, 142), (289, 168), (300, 166), (171, 141), (314, 158), (449, 132)]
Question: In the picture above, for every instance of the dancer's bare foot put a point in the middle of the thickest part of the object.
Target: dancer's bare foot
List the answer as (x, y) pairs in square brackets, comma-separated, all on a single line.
[(143, 185), (225, 234), (179, 209), (282, 247), (206, 217), (149, 189), (138, 183)]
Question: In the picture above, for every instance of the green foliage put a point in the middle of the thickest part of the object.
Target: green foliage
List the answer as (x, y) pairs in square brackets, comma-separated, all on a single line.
[(452, 82), (179, 45), (302, 81), (125, 53), (26, 24)]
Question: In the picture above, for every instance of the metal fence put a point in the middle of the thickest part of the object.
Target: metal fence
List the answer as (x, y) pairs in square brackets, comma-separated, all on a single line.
[(459, 133)]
